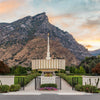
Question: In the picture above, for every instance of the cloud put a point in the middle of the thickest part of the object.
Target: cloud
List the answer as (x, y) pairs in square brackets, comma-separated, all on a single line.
[(63, 21), (8, 6), (92, 23), (85, 29), (89, 46)]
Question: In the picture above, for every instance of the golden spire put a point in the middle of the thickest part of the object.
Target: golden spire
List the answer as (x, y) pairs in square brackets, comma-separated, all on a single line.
[(48, 34)]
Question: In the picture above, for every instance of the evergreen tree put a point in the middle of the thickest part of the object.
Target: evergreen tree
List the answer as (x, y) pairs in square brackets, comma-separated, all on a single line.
[(76, 71), (81, 70)]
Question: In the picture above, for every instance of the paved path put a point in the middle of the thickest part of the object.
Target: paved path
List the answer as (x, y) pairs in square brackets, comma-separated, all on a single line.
[(30, 87), (66, 88)]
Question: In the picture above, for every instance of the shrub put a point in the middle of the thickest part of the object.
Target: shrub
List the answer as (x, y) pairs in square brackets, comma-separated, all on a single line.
[(86, 88), (4, 88), (67, 68), (62, 71), (15, 87), (48, 85), (56, 71), (72, 69), (78, 87), (91, 89)]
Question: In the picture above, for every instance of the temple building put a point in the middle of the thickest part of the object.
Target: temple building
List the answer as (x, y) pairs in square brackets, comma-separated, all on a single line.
[(48, 64)]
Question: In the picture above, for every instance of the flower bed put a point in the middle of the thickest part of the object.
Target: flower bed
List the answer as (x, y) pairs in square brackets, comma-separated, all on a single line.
[(49, 88)]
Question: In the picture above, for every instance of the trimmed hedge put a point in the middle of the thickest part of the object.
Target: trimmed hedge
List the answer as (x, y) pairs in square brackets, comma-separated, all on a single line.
[(48, 85), (86, 88), (4, 88), (26, 80), (15, 87), (68, 78)]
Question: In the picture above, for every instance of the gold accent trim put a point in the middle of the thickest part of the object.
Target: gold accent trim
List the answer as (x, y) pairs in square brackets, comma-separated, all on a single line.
[(47, 70)]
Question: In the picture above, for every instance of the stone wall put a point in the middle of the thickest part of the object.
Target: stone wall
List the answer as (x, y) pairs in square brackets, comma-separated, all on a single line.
[(48, 80), (7, 80), (91, 80)]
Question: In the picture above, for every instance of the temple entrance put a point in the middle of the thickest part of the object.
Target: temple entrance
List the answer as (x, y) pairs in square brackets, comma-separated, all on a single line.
[(42, 80)]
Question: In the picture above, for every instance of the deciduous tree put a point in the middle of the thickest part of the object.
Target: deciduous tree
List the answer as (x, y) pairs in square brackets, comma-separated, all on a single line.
[(4, 69)]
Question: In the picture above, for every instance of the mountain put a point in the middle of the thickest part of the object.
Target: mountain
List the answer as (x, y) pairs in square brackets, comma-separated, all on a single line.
[(26, 39), (95, 52)]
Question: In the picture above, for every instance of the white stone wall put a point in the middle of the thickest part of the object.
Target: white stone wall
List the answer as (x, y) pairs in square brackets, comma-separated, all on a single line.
[(48, 64), (47, 80), (7, 80), (94, 79)]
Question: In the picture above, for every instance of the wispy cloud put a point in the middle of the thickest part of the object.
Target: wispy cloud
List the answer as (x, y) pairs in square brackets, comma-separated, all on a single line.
[(7, 6)]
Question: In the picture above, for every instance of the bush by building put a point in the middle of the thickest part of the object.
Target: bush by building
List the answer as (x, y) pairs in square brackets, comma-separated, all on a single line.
[(86, 88), (48, 85), (15, 87), (4, 88)]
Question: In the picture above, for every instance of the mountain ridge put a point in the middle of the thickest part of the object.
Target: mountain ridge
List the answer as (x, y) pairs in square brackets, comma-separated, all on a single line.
[(95, 52), (19, 33)]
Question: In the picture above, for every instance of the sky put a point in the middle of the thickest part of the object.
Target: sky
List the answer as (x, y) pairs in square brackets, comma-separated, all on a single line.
[(81, 18)]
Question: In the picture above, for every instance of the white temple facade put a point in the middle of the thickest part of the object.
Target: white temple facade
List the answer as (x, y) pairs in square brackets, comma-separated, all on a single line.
[(48, 64)]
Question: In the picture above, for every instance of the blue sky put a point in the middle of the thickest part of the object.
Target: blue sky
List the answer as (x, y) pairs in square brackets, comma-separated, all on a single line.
[(81, 18)]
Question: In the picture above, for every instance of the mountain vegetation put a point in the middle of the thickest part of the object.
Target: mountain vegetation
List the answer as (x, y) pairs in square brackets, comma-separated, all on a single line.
[(96, 69), (89, 63)]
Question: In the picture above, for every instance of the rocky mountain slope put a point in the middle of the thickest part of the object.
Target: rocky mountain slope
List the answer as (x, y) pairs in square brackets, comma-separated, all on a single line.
[(25, 39)]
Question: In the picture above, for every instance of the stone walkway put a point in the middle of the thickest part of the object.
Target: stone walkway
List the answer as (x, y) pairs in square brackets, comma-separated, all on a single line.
[(67, 88), (29, 87)]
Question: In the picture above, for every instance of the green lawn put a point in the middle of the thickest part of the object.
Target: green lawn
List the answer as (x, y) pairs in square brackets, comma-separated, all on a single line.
[(98, 91)]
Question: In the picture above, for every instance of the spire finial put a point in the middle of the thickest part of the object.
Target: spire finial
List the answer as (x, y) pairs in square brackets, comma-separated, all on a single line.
[(48, 34)]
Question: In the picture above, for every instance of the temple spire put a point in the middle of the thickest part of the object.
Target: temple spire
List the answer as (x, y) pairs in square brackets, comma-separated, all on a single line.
[(48, 50)]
